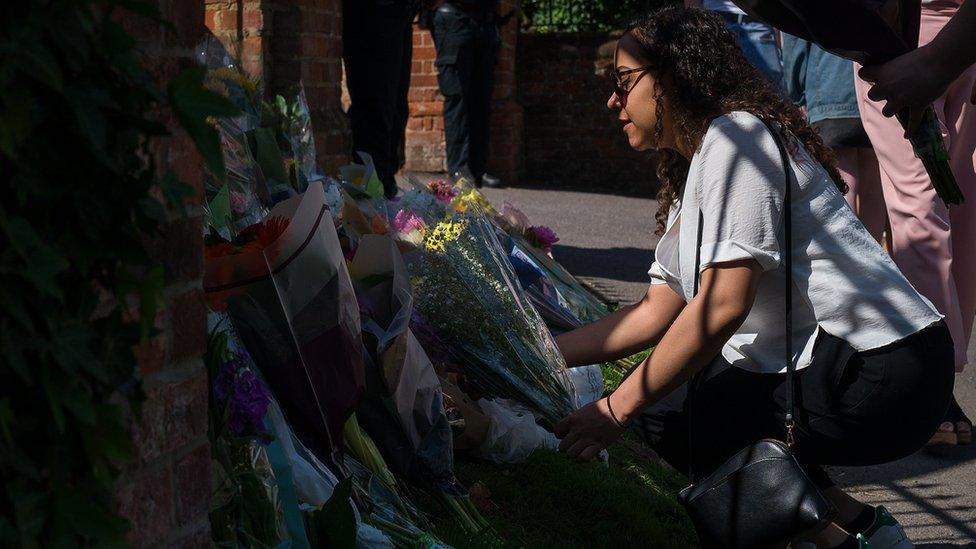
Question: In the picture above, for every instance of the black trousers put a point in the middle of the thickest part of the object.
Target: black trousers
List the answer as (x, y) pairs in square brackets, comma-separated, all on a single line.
[(854, 408), (467, 47), (377, 47)]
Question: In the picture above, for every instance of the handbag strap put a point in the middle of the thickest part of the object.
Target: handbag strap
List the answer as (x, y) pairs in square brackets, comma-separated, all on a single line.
[(787, 253)]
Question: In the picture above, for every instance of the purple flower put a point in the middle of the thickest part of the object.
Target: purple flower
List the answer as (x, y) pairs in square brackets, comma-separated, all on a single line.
[(541, 236), (248, 404), (244, 394)]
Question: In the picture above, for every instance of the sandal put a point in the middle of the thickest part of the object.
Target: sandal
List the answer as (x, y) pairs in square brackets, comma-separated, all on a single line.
[(964, 433), (961, 424), (945, 436)]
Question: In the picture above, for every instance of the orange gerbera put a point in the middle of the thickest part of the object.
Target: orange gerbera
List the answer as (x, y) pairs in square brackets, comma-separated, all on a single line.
[(219, 249), (263, 234)]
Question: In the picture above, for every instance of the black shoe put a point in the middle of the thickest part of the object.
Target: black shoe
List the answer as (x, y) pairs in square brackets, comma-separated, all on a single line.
[(489, 181)]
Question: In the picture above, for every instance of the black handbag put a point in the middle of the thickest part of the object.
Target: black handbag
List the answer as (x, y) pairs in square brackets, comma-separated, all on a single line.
[(761, 496)]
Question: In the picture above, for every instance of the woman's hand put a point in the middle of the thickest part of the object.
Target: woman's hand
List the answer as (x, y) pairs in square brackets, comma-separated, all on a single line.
[(587, 431)]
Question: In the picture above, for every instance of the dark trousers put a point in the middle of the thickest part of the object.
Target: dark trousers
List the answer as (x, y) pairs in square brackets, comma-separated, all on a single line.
[(854, 408), (377, 47), (467, 46)]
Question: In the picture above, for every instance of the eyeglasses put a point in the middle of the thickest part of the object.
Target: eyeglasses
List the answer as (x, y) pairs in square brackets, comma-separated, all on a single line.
[(617, 80)]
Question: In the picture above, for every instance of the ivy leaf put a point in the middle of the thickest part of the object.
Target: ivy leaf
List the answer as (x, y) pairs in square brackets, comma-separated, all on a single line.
[(193, 104), (36, 61), (335, 523), (218, 209), (43, 263), (13, 354), (70, 347), (52, 390), (6, 418), (269, 155)]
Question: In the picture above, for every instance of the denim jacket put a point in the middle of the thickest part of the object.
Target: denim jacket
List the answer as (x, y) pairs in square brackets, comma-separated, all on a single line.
[(821, 82)]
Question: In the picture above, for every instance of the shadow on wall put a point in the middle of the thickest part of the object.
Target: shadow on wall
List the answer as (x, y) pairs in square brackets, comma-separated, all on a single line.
[(571, 139)]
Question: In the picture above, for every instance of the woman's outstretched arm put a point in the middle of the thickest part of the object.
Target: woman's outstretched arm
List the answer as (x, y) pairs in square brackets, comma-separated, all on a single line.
[(629, 330), (696, 336)]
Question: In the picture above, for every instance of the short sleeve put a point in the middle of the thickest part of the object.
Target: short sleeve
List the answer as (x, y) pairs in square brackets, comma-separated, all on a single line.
[(656, 274), (740, 192)]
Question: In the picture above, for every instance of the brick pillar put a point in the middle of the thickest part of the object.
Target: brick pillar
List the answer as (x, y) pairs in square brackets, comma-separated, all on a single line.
[(285, 42), (425, 129), (424, 149), (165, 494), (505, 159)]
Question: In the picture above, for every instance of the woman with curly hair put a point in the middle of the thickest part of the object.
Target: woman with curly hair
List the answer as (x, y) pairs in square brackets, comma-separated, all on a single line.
[(874, 359)]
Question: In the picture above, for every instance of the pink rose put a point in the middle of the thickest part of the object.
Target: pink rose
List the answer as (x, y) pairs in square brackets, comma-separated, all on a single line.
[(443, 190), (406, 221)]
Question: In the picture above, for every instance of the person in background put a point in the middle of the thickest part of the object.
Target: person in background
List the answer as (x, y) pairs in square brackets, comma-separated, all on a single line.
[(377, 47), (823, 84), (757, 39), (935, 246), (466, 37)]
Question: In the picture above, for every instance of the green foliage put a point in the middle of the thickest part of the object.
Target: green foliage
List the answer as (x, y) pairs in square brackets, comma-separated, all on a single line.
[(551, 501), (75, 214), (334, 525), (583, 15)]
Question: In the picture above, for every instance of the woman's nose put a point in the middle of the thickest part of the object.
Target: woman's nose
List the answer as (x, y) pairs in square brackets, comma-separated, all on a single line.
[(614, 102)]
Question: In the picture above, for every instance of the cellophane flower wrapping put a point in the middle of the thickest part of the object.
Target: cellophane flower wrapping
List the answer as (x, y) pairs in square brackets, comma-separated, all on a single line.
[(241, 198), (295, 310), (466, 290), (403, 408), (540, 288), (247, 507)]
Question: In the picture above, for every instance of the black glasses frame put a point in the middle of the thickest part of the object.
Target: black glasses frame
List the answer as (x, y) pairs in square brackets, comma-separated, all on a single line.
[(616, 80)]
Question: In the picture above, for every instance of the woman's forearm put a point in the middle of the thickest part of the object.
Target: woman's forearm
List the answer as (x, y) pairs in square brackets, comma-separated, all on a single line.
[(693, 340), (626, 331)]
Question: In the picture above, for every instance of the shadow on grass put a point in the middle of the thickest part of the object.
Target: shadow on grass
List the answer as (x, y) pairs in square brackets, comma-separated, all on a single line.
[(551, 501)]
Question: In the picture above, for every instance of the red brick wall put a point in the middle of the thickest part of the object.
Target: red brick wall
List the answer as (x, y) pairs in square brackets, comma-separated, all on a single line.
[(166, 493), (425, 129), (285, 42), (571, 138)]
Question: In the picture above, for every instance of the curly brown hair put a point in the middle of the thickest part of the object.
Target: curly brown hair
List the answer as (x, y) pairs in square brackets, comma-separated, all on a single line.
[(707, 76)]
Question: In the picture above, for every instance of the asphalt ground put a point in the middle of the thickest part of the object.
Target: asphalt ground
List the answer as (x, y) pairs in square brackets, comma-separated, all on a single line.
[(608, 241)]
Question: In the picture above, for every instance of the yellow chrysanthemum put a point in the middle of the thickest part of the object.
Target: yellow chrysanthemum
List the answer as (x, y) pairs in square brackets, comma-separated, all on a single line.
[(470, 198), (444, 232)]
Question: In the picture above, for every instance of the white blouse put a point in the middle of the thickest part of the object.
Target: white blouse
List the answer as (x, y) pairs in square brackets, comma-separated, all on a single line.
[(843, 282)]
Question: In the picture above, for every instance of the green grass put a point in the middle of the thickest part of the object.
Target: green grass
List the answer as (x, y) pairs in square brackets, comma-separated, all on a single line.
[(615, 372), (551, 501)]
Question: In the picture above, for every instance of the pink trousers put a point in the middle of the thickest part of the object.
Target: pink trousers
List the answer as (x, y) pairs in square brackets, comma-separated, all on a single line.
[(934, 246)]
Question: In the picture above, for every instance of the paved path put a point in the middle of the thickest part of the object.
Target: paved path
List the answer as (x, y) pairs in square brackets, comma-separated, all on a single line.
[(608, 241)]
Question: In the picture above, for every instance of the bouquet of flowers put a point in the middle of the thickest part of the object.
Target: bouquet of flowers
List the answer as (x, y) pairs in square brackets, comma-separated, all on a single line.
[(868, 32), (247, 508), (467, 292), (403, 407), (289, 297)]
